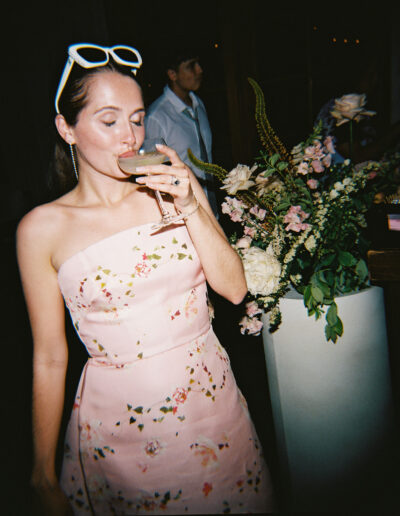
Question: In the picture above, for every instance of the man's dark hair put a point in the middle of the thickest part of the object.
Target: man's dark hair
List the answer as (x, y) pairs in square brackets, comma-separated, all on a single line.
[(173, 60)]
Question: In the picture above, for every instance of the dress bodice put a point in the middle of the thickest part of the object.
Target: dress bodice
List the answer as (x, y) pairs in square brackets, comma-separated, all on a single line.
[(136, 293)]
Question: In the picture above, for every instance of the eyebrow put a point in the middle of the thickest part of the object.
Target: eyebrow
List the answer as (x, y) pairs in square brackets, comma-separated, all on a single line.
[(113, 108)]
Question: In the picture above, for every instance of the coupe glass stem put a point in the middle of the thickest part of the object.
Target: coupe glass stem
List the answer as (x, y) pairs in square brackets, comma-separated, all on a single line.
[(165, 213)]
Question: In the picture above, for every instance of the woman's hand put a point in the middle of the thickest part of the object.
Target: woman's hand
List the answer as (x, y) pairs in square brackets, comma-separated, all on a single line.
[(222, 266), (173, 179)]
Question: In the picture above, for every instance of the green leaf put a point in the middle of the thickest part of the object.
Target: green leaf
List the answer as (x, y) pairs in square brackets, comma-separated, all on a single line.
[(273, 159), (330, 333), (346, 259), (338, 327), (327, 259), (317, 294), (282, 206), (282, 165), (307, 295), (331, 315), (362, 269), (269, 172)]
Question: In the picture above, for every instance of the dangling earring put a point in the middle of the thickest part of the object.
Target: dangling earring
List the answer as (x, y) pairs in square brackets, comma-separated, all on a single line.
[(71, 148)]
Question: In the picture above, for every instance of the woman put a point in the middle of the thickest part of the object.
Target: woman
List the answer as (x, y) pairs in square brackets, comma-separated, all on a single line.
[(158, 424)]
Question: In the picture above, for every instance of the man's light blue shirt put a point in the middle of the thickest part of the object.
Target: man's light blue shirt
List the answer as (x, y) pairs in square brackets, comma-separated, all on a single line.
[(166, 118)]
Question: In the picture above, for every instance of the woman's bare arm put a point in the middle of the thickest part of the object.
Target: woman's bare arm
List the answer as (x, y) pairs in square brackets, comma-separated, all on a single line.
[(50, 351), (221, 264)]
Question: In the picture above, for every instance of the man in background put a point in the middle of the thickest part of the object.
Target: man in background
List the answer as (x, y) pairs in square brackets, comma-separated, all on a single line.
[(180, 118)]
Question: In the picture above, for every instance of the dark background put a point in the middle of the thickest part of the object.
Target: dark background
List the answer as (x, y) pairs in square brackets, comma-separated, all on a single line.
[(299, 57)]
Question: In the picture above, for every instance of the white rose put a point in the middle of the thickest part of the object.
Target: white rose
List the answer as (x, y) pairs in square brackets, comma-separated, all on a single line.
[(238, 179), (338, 186), (350, 107), (262, 270)]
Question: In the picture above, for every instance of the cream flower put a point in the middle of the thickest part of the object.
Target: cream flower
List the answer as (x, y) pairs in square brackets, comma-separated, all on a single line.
[(333, 194), (262, 270), (310, 243), (268, 184), (244, 242), (238, 179), (350, 107)]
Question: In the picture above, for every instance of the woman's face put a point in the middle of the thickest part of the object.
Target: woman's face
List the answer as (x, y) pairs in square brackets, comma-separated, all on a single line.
[(111, 124)]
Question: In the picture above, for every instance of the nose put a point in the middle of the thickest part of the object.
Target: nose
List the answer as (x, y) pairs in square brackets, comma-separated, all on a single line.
[(129, 135)]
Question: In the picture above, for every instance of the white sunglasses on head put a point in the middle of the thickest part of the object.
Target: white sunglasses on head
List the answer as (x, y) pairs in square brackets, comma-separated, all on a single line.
[(75, 57)]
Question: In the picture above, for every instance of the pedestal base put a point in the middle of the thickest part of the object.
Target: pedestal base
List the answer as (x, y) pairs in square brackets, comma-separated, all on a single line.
[(331, 403)]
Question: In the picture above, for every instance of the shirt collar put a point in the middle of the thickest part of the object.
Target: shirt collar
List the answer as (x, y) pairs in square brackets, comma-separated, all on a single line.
[(177, 102)]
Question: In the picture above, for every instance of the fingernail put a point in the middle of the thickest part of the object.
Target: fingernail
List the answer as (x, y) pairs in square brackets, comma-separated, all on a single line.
[(140, 179), (140, 169)]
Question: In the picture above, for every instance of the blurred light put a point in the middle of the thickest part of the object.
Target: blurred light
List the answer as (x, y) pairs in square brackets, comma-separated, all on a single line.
[(215, 45), (345, 40), (334, 40), (315, 27), (149, 85), (357, 41)]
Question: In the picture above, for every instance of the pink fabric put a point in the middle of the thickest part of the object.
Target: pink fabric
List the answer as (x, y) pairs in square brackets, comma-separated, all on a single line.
[(158, 425)]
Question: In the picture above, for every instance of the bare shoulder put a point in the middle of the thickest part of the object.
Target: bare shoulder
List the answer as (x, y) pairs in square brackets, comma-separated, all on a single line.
[(40, 222), (40, 228)]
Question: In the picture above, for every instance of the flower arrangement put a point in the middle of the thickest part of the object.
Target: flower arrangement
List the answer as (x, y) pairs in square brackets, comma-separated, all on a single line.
[(302, 217)]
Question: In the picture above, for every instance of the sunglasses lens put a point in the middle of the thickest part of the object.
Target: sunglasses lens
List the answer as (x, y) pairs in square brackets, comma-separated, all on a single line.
[(125, 54), (92, 55)]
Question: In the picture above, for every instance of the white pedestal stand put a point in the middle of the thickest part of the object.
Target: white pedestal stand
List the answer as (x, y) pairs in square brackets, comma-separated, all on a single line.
[(331, 403)]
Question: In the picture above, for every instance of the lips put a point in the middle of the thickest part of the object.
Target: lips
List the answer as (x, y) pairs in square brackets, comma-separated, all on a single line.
[(128, 154)]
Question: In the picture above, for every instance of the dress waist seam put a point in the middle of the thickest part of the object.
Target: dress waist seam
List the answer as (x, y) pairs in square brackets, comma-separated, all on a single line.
[(100, 362)]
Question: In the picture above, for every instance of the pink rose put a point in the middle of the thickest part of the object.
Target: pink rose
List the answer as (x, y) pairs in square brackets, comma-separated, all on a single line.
[(249, 231), (302, 168), (252, 326), (258, 212), (236, 215), (312, 184), (252, 309), (327, 160), (328, 142), (294, 219), (317, 166)]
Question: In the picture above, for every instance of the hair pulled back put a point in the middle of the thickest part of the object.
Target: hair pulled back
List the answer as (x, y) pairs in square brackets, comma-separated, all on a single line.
[(73, 99)]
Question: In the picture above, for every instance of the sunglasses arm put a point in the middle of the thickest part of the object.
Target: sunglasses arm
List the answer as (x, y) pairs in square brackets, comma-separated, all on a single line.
[(63, 80)]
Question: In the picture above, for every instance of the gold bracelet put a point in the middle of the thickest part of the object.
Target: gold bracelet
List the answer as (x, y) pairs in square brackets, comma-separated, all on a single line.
[(186, 215)]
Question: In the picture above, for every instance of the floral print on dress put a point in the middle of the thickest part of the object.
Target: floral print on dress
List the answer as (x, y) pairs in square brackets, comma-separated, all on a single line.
[(158, 425)]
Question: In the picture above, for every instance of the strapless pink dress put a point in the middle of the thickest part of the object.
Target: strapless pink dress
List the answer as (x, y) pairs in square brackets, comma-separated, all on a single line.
[(158, 424)]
